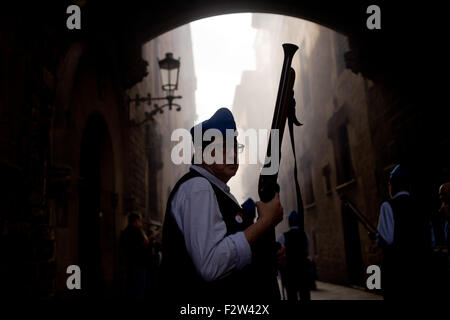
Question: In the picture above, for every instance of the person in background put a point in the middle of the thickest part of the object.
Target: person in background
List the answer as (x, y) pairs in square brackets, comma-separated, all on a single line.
[(444, 198), (403, 235), (295, 272), (444, 210), (134, 244)]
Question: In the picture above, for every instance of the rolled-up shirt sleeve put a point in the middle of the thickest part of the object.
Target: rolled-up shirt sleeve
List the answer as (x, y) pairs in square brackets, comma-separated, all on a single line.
[(197, 213), (244, 253)]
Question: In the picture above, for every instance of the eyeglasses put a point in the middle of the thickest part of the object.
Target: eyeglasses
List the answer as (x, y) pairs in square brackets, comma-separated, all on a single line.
[(239, 147)]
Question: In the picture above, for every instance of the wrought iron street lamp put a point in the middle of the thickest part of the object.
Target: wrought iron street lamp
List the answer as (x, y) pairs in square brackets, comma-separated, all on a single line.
[(169, 71)]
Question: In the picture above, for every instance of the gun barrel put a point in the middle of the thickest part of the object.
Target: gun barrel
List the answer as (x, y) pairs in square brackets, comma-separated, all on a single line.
[(267, 185)]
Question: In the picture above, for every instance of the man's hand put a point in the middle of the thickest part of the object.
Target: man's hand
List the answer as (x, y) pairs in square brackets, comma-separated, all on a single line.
[(270, 213), (144, 236), (445, 210)]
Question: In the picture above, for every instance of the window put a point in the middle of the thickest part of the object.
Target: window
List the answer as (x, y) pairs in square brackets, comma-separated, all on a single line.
[(308, 190), (326, 171), (304, 76), (342, 155), (341, 48)]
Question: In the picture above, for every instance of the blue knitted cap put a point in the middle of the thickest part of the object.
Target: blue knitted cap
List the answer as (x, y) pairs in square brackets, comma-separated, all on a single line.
[(399, 173), (221, 120), (294, 218)]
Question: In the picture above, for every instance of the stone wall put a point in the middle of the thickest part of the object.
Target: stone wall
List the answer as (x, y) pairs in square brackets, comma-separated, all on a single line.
[(73, 164), (328, 99)]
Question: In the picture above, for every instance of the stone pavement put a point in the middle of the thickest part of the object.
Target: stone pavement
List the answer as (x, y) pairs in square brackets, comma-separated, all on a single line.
[(329, 291)]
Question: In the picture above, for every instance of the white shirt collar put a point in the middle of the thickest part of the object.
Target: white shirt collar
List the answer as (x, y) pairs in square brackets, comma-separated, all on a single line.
[(219, 183), (401, 193)]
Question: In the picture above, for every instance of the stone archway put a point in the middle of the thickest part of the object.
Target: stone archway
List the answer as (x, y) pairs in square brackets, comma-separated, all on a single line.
[(96, 220)]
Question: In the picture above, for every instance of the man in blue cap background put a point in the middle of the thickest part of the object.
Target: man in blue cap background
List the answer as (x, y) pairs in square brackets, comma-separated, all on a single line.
[(296, 273), (208, 241), (403, 235)]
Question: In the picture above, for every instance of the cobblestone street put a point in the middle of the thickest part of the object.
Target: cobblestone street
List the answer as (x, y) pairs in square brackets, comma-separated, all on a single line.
[(328, 291)]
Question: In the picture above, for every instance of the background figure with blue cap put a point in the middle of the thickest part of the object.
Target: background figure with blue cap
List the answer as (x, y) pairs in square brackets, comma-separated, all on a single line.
[(403, 234), (441, 244), (296, 269), (208, 238)]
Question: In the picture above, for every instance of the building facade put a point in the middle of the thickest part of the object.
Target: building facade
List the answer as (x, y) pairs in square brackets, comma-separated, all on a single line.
[(73, 161), (334, 147)]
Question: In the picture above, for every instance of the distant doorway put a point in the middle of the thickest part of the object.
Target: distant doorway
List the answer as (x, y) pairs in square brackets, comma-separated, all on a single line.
[(352, 243), (96, 224)]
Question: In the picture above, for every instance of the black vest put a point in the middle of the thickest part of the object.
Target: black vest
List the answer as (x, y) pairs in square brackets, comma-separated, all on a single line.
[(181, 282), (410, 228), (405, 260), (296, 247)]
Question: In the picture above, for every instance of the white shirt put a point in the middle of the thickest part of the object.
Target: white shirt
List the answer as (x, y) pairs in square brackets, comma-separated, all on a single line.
[(386, 220), (198, 216)]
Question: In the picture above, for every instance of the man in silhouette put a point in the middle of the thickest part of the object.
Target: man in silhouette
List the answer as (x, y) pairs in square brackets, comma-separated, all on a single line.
[(134, 243), (403, 235), (444, 197), (295, 273), (444, 210)]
